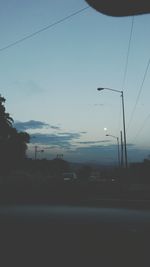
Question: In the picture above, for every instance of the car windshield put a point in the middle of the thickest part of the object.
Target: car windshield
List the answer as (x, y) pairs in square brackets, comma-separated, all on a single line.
[(74, 103)]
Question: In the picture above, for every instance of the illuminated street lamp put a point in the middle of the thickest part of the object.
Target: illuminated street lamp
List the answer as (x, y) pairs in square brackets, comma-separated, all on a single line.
[(123, 117)]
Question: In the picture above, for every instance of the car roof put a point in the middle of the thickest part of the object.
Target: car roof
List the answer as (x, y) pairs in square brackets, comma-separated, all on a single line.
[(120, 8)]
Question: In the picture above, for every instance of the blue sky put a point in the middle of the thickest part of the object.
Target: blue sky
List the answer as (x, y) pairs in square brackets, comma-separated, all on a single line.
[(50, 80)]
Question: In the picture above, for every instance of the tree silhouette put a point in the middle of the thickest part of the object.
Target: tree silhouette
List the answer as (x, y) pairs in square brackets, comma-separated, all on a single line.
[(5, 121), (13, 144)]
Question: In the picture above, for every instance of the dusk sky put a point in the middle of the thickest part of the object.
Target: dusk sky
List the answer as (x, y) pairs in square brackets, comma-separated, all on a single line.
[(50, 80)]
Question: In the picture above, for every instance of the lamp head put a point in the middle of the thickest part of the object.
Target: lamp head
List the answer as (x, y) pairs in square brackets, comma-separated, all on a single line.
[(100, 89)]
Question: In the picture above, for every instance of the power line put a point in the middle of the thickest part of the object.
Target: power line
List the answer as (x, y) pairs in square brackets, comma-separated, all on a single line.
[(126, 66), (128, 51), (142, 127), (126, 63), (119, 117), (43, 29), (139, 94)]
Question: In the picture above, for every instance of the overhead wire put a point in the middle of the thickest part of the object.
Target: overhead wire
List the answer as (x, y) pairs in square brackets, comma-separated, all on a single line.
[(119, 117), (43, 29), (127, 56), (141, 128), (126, 66), (139, 94)]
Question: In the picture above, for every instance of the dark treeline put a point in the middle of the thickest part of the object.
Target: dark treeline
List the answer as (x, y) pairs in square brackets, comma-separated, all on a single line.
[(13, 144)]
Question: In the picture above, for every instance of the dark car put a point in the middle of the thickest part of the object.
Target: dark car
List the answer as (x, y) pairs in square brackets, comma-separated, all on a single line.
[(69, 176)]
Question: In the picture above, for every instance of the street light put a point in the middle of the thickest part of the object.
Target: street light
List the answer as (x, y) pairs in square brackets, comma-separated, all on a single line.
[(117, 138), (123, 116)]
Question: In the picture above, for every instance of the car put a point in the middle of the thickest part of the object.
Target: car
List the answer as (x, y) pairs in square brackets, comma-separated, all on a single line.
[(69, 176), (120, 8)]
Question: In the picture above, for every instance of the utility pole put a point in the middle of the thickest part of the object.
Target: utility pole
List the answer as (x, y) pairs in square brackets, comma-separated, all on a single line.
[(35, 153), (118, 152), (122, 159), (124, 131)]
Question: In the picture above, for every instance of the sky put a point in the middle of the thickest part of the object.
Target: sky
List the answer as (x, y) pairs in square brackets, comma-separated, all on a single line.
[(50, 81)]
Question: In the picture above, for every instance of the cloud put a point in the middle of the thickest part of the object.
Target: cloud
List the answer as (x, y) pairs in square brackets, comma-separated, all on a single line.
[(54, 127), (93, 142), (32, 124), (69, 135), (62, 140), (83, 132), (22, 126)]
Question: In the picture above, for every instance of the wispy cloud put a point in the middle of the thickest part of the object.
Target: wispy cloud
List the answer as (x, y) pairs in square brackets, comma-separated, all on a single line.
[(62, 140), (32, 124), (54, 127), (70, 135), (83, 132), (93, 142)]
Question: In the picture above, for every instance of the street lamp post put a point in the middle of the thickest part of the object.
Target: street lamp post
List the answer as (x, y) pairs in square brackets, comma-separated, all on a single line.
[(121, 157), (123, 116), (117, 138)]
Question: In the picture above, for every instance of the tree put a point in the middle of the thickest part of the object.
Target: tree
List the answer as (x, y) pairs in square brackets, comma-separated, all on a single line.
[(17, 145), (13, 144), (5, 121)]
